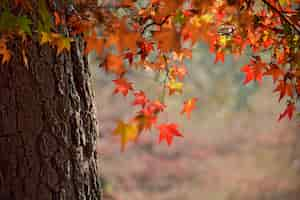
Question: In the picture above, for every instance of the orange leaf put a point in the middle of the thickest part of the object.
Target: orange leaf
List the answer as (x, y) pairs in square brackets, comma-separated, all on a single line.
[(57, 18), (189, 106), (6, 53), (114, 64), (93, 43), (168, 39)]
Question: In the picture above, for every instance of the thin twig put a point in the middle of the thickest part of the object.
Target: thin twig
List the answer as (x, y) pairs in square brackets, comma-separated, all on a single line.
[(282, 16), (155, 23)]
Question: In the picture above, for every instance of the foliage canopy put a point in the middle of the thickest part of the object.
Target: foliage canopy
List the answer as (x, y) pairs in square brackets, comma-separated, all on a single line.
[(159, 35)]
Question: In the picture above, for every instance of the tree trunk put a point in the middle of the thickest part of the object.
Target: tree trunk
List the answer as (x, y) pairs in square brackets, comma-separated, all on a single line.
[(48, 127)]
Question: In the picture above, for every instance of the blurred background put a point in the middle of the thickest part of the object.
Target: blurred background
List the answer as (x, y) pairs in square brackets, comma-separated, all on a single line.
[(233, 147)]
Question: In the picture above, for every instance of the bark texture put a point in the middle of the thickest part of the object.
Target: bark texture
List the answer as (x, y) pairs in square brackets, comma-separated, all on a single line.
[(48, 126)]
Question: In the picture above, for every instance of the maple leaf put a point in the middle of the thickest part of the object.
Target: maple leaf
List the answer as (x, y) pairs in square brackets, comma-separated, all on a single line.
[(144, 122), (129, 56), (167, 132), (122, 38), (189, 106), (114, 63), (45, 38), (178, 72), (93, 43), (289, 111), (57, 40), (57, 19), (219, 57), (127, 131), (122, 86), (140, 98), (6, 53), (153, 107), (62, 43), (254, 71), (284, 89), (275, 72), (174, 86), (167, 39)]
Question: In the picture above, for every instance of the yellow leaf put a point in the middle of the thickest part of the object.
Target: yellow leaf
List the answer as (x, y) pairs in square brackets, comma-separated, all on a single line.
[(127, 131), (174, 86), (63, 43), (45, 38), (57, 40)]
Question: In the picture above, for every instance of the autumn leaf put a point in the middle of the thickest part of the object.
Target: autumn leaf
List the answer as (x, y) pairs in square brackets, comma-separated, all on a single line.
[(45, 38), (57, 19), (178, 72), (114, 64), (219, 57), (289, 111), (140, 98), (153, 107), (123, 38), (6, 53), (167, 132), (284, 89), (167, 39), (57, 40), (145, 122), (189, 106), (275, 72), (93, 43), (174, 86), (62, 43), (253, 71), (122, 86), (127, 131)]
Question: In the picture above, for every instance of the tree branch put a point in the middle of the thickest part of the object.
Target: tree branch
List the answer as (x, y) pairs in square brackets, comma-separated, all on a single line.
[(282, 16)]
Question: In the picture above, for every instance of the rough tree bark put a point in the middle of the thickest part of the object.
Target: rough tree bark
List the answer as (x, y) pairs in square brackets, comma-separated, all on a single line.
[(48, 127)]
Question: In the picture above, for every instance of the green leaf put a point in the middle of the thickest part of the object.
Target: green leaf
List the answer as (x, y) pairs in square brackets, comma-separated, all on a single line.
[(44, 24), (24, 23), (7, 21)]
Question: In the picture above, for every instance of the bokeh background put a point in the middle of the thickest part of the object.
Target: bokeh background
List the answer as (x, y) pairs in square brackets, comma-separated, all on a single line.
[(233, 147)]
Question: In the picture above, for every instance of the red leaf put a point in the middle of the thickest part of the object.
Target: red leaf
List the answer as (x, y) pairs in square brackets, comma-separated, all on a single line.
[(289, 111), (219, 57), (285, 89), (275, 72), (167, 132), (153, 108), (254, 71), (140, 98), (122, 86)]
